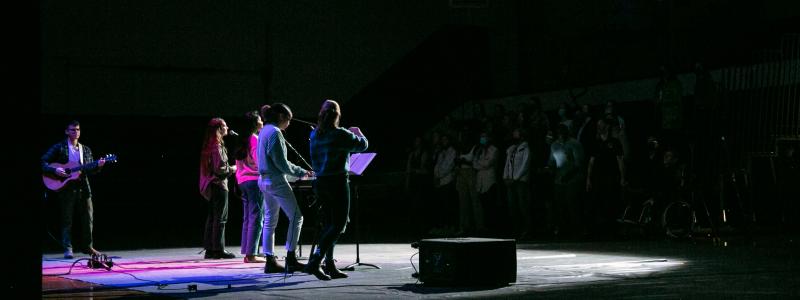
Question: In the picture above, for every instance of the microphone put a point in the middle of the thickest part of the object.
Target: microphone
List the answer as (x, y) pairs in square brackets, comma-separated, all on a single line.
[(233, 133), (305, 122)]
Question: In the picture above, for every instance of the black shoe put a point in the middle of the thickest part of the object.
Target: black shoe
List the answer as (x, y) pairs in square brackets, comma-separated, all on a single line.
[(225, 254), (332, 271), (211, 254), (273, 266), (292, 264), (313, 267)]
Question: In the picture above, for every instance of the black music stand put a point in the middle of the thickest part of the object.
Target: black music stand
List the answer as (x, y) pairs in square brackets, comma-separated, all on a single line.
[(358, 163)]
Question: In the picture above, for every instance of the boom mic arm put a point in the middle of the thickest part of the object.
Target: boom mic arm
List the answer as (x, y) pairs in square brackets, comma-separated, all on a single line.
[(298, 155), (305, 122)]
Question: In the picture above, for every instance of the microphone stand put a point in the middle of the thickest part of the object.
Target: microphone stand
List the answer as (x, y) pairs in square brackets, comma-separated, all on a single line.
[(319, 230), (306, 122), (298, 155)]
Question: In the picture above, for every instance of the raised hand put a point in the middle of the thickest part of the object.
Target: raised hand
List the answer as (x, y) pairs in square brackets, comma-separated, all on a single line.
[(356, 131)]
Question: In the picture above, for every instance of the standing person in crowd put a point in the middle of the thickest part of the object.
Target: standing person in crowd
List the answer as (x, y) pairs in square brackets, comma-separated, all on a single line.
[(470, 211), (606, 175), (586, 124), (669, 107), (787, 175), (537, 128), (418, 179), (619, 130), (444, 181), (484, 161), (515, 176), (330, 148), (566, 159), (75, 195), (214, 173), (435, 148), (565, 116), (252, 198), (273, 166)]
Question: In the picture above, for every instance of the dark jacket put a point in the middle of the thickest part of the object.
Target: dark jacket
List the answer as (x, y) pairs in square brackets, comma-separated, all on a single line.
[(59, 153), (215, 170)]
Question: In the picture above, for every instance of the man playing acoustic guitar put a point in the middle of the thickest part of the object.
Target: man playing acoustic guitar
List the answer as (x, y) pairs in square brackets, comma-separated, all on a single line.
[(75, 194)]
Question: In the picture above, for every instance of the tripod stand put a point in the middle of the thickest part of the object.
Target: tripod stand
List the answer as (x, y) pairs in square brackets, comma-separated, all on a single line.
[(358, 262)]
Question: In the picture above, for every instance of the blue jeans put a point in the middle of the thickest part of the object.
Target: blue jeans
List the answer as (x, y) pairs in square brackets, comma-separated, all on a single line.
[(252, 216), (278, 195)]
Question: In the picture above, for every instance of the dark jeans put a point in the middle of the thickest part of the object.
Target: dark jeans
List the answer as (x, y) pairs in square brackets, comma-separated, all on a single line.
[(252, 216), (566, 206), (443, 211), (607, 204), (215, 221), (519, 206), (491, 210), (76, 198), (333, 193)]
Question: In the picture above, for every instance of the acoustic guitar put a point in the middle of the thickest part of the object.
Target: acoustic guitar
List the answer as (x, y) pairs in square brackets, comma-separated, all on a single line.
[(54, 182)]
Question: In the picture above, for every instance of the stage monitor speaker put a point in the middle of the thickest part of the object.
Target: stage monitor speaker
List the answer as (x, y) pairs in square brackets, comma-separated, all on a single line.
[(467, 261)]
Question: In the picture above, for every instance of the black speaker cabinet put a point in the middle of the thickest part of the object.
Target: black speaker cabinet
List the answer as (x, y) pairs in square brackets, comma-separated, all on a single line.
[(467, 261)]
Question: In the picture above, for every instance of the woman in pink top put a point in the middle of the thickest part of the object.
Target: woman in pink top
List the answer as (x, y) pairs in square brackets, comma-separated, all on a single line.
[(247, 178)]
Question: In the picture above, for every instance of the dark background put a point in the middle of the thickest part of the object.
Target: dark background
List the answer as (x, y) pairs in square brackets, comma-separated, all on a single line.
[(144, 77)]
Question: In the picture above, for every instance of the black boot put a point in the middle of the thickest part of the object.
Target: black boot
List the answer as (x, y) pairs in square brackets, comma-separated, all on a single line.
[(313, 267), (225, 254), (332, 271), (292, 264), (272, 265)]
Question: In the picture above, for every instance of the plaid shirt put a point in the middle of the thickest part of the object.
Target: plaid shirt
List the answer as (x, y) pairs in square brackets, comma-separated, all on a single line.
[(330, 151)]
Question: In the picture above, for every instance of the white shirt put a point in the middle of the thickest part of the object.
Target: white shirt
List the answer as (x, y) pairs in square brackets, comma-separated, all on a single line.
[(75, 152), (445, 164), (517, 159)]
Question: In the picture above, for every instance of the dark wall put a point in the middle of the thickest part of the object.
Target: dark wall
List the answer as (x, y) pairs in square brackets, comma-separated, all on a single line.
[(147, 58), (450, 67), (189, 58)]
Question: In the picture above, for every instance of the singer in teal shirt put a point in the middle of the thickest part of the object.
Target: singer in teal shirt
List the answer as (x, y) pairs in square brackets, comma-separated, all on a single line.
[(330, 148)]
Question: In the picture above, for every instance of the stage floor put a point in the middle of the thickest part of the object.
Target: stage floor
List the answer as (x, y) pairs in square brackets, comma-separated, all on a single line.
[(622, 269)]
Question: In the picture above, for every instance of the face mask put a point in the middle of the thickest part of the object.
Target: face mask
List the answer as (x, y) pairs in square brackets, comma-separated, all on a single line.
[(484, 141), (609, 110), (562, 112)]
